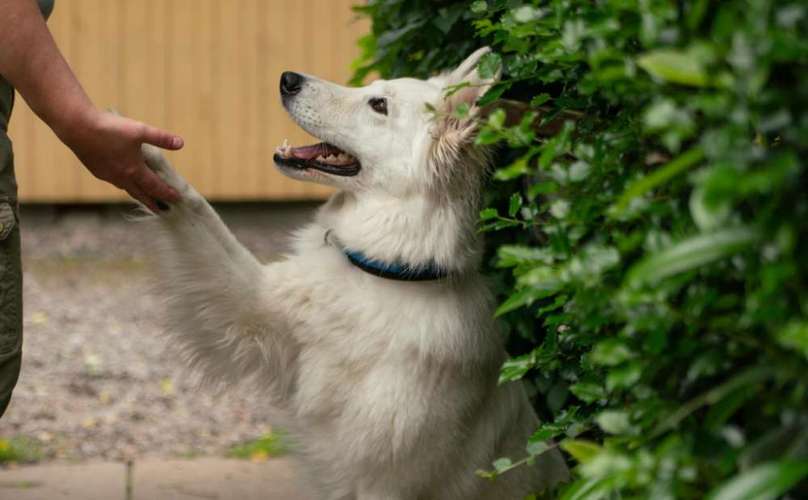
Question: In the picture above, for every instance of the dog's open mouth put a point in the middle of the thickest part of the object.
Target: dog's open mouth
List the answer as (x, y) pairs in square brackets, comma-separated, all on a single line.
[(324, 157)]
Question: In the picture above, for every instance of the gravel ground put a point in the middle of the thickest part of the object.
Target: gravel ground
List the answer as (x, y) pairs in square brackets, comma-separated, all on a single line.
[(97, 379)]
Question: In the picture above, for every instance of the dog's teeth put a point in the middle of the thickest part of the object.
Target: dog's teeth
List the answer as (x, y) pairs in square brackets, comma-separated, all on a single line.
[(344, 159), (284, 149), (320, 158)]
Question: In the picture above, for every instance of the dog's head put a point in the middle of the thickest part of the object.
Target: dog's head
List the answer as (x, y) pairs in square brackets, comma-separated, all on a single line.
[(401, 137)]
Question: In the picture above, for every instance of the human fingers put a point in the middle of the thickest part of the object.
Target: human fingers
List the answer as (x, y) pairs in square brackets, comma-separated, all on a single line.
[(161, 138), (136, 193), (153, 186)]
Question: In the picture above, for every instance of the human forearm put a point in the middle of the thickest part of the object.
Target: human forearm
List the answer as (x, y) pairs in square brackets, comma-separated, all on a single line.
[(108, 145), (32, 63)]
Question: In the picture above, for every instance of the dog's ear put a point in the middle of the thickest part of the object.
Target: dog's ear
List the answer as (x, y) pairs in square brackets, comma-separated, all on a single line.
[(465, 85), (456, 125)]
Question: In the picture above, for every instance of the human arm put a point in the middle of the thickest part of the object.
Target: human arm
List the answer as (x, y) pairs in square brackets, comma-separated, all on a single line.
[(108, 145)]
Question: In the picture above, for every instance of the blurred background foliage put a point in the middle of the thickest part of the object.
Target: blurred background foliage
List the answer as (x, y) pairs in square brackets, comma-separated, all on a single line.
[(651, 257)]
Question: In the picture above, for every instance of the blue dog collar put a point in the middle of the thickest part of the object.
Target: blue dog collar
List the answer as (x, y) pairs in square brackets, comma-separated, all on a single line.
[(388, 270)]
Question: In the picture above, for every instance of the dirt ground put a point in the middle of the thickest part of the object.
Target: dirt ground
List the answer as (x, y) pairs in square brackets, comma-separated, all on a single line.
[(97, 380)]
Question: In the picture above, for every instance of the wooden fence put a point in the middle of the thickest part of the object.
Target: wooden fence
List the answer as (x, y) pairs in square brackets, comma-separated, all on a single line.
[(206, 69)]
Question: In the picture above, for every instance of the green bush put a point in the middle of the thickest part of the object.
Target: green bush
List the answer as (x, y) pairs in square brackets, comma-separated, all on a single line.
[(652, 255)]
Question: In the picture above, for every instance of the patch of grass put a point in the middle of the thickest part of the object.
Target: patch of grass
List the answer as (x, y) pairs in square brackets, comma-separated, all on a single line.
[(19, 449), (271, 444)]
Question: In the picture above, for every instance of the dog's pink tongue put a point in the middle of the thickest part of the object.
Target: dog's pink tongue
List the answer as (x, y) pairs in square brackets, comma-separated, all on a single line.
[(313, 151)]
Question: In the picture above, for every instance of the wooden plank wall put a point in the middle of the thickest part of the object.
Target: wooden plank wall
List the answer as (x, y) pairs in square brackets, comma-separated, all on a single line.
[(206, 69)]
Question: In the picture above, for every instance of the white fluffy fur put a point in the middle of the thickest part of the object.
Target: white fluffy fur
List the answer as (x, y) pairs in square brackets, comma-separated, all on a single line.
[(389, 388)]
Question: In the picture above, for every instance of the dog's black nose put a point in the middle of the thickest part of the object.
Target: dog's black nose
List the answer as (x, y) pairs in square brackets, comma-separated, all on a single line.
[(291, 83)]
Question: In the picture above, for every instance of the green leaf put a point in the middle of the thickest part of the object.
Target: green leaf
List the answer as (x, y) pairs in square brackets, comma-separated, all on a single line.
[(525, 13), (514, 255), (489, 65), (538, 188), (579, 171), (499, 224), (537, 447), (462, 110), (610, 352), (581, 450), (721, 411), (515, 169), (624, 376), (541, 277), (523, 297), (514, 204), (451, 90), (539, 99), (545, 432), (691, 254), (497, 118), (488, 214), (548, 154), (707, 217), (588, 392), (515, 368), (747, 377), (487, 136), (658, 177), (614, 422), (393, 36), (502, 464), (560, 209), (763, 482), (589, 489), (479, 6), (795, 336), (493, 94), (789, 442), (674, 66)]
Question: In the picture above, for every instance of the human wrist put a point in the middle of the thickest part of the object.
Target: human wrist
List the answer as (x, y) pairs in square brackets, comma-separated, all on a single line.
[(75, 122)]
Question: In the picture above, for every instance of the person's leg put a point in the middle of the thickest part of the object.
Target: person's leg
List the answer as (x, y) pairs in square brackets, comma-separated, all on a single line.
[(10, 264)]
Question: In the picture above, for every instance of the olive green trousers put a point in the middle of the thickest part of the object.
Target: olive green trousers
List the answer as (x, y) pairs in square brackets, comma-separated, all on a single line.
[(10, 264)]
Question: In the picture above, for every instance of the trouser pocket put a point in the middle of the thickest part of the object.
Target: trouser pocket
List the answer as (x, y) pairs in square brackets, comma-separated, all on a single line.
[(10, 281), (10, 266), (10, 277)]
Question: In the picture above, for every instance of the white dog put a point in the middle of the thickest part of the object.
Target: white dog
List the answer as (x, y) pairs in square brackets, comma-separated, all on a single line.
[(374, 339)]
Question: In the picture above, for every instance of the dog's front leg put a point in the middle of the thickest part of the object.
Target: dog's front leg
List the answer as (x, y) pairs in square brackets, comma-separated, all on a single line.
[(219, 301)]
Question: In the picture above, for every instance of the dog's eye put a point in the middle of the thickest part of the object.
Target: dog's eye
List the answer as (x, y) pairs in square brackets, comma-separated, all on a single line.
[(379, 105)]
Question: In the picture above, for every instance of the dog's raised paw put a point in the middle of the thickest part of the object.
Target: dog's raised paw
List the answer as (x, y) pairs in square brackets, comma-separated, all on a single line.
[(189, 197), (158, 164)]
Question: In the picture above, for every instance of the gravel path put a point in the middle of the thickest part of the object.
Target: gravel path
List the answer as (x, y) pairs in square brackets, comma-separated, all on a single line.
[(97, 380)]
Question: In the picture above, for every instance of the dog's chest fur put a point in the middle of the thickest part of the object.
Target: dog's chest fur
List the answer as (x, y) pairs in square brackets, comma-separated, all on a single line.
[(361, 334), (384, 368)]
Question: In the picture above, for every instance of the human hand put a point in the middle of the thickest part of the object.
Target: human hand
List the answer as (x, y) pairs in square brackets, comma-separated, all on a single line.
[(109, 146)]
